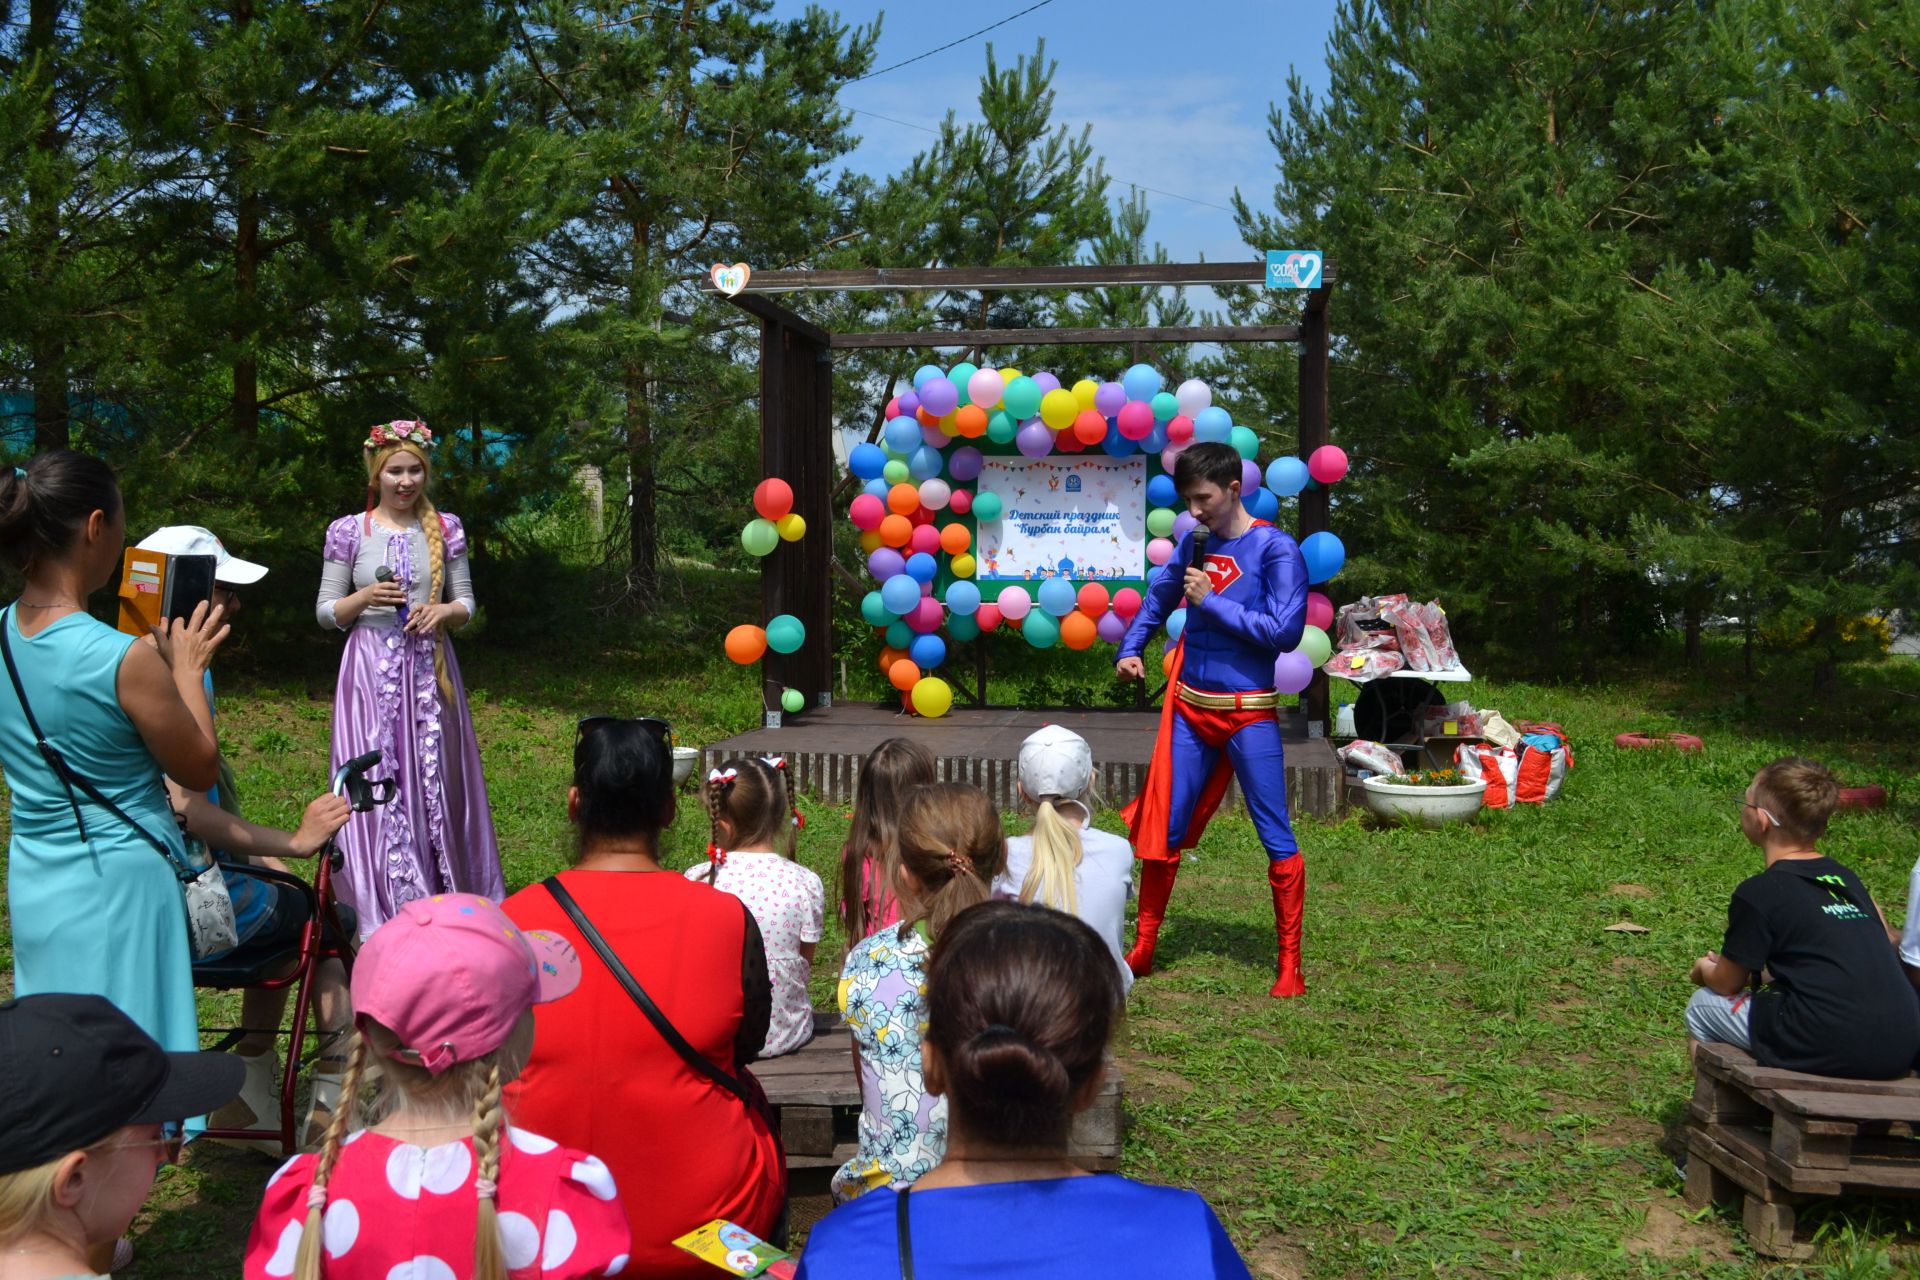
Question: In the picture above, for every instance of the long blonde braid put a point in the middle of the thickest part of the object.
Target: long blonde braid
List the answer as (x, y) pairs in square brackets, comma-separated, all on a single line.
[(489, 1256), (306, 1261), (437, 580)]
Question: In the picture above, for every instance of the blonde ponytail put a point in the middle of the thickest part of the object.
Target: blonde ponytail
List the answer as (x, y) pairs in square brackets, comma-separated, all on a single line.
[(306, 1260), (1057, 850)]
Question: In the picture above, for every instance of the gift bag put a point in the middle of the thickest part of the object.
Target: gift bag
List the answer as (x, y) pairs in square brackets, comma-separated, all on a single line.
[(1498, 766)]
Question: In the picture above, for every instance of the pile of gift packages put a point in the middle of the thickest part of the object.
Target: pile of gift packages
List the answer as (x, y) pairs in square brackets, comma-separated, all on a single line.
[(1378, 635), (1523, 763)]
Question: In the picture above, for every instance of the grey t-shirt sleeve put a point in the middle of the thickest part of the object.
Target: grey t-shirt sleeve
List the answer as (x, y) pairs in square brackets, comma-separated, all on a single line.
[(460, 582), (336, 582)]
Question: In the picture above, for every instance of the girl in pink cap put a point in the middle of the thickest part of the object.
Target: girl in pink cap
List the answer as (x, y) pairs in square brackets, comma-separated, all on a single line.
[(441, 1186)]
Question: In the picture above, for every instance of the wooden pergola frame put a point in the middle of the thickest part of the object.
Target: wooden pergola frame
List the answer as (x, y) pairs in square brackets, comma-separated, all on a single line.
[(796, 409)]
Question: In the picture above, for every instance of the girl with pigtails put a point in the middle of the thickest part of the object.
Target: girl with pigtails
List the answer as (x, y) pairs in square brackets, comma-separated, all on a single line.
[(396, 579), (440, 1184), (750, 854), (951, 848)]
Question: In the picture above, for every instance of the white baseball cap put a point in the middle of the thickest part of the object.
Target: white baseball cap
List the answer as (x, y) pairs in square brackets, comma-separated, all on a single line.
[(192, 540), (1055, 761)]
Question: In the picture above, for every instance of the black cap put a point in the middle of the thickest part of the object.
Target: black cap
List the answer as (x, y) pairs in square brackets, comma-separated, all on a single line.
[(77, 1069)]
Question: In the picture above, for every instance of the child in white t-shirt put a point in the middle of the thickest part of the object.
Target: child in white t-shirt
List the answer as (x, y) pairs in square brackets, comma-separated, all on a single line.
[(1068, 863), (750, 855)]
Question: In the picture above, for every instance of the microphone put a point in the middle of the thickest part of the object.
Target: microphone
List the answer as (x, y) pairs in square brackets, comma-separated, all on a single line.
[(1197, 554), (385, 574)]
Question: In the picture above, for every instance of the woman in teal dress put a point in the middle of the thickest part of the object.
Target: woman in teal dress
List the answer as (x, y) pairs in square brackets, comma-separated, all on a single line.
[(101, 915)]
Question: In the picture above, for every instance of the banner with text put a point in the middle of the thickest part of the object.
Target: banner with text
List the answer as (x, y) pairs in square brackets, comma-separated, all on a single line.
[(1065, 517)]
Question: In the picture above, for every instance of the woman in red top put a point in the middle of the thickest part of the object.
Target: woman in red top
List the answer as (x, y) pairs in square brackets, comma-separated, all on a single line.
[(602, 1078)]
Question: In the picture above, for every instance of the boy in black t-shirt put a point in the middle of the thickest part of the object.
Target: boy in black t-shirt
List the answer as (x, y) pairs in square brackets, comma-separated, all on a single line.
[(1835, 1001)]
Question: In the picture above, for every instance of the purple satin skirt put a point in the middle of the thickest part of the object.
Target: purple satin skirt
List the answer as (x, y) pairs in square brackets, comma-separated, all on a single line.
[(437, 835)]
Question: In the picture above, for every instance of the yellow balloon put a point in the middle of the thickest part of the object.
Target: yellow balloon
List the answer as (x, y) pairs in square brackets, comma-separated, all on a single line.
[(1083, 392), (932, 697), (1058, 408), (791, 527), (962, 566), (1009, 373), (950, 425), (870, 541)]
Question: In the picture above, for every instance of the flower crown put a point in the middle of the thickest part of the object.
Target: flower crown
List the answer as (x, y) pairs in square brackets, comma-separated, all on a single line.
[(399, 431)]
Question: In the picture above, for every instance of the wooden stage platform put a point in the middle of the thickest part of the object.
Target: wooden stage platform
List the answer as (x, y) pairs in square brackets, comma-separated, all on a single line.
[(825, 746)]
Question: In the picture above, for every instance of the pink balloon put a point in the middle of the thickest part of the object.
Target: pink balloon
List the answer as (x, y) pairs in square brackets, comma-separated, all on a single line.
[(985, 388), (1179, 429), (1327, 464), (925, 538), (1110, 627), (935, 493), (1135, 420), (893, 407), (1014, 601), (926, 616), (934, 436), (867, 512), (1169, 456), (1319, 611), (1126, 603), (960, 503), (1159, 551), (1292, 672)]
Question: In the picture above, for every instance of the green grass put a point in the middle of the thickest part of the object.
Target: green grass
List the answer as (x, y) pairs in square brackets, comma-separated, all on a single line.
[(1482, 1082)]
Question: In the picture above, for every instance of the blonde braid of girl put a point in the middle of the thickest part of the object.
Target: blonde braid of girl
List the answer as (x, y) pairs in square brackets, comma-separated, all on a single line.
[(437, 579), (306, 1260), (489, 1256), (1057, 850), (714, 793)]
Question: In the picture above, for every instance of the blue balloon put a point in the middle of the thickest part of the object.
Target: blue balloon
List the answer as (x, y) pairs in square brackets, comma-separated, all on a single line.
[(962, 627), (1287, 476), (1213, 425), (1263, 505), (927, 652), (1142, 382), (867, 461), (926, 462), (1176, 623), (923, 373), (1324, 554), (1160, 491), (1155, 574), (878, 488), (920, 567), (963, 598), (1156, 439), (901, 594), (1117, 445), (874, 609), (1057, 597), (903, 435), (899, 635)]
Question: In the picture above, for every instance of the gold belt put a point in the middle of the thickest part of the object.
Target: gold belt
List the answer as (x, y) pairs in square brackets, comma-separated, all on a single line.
[(1265, 701)]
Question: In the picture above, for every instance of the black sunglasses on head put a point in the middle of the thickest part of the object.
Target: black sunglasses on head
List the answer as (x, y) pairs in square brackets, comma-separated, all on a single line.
[(590, 725)]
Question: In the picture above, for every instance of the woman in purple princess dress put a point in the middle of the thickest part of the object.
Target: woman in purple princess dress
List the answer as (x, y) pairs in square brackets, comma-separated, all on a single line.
[(400, 690)]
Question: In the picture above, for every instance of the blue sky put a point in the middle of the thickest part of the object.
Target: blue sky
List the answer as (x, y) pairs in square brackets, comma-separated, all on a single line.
[(1177, 94)]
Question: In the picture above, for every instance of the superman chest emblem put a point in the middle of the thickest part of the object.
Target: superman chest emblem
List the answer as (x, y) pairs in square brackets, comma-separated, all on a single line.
[(1224, 570)]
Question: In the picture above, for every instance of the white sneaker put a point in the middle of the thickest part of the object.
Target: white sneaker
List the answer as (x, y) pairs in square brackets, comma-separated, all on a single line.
[(257, 1107)]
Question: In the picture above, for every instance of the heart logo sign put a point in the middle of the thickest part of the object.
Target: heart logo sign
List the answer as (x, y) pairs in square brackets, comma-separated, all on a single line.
[(730, 280), (1293, 268)]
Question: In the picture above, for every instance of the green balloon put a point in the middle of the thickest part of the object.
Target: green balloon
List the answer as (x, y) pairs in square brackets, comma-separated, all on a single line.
[(1164, 406), (961, 626), (899, 635), (958, 376), (874, 610), (786, 633), (1002, 427), (1245, 442), (897, 471), (1316, 644), (793, 702), (1041, 631), (1159, 522), (759, 537), (1022, 397), (986, 507)]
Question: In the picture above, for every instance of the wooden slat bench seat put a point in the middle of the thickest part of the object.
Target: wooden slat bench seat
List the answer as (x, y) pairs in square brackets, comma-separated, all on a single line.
[(1779, 1138)]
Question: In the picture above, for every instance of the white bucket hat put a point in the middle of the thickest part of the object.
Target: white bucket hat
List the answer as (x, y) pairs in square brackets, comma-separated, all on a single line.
[(1055, 761), (192, 540)]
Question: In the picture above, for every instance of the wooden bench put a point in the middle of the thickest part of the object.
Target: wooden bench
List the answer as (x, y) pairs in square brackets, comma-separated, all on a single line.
[(1778, 1139), (817, 1097)]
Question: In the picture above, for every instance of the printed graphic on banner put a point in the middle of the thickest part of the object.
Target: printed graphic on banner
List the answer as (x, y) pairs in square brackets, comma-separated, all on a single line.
[(1065, 517), (1293, 268)]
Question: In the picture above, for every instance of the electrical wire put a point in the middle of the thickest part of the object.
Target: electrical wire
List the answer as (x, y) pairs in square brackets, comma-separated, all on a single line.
[(951, 43)]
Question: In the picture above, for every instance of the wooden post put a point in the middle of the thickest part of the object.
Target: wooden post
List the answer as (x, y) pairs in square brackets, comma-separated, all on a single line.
[(796, 408), (1313, 434)]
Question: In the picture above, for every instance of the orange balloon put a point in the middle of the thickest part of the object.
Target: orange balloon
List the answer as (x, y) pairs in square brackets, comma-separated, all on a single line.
[(954, 539), (895, 531), (1166, 663), (745, 644), (904, 674), (972, 421), (1077, 631), (888, 656), (1089, 427), (926, 419), (903, 499)]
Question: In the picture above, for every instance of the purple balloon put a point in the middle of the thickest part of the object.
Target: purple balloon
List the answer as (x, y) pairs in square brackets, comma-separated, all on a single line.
[(1109, 399), (909, 403), (965, 463), (1292, 672), (1110, 628), (1249, 479), (1047, 382), (1034, 440), (885, 562), (940, 397), (1183, 525)]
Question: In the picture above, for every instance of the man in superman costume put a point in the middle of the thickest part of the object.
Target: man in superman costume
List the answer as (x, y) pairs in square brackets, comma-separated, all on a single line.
[(1246, 605)]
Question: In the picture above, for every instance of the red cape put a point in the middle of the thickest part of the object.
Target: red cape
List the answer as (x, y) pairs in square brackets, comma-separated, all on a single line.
[(1147, 813)]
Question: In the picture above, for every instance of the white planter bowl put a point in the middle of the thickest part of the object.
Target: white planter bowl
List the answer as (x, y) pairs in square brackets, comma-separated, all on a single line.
[(684, 758), (1429, 806)]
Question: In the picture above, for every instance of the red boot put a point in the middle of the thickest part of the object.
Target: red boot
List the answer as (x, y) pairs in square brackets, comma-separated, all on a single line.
[(1156, 886), (1288, 878)]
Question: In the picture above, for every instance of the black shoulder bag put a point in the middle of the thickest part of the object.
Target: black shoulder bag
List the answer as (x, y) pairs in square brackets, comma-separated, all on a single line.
[(903, 1233), (693, 1057)]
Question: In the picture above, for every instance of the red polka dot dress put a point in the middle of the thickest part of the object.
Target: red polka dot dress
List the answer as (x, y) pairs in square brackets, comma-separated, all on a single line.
[(395, 1211)]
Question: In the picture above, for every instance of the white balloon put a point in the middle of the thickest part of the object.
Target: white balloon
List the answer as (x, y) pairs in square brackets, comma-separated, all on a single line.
[(1193, 396)]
